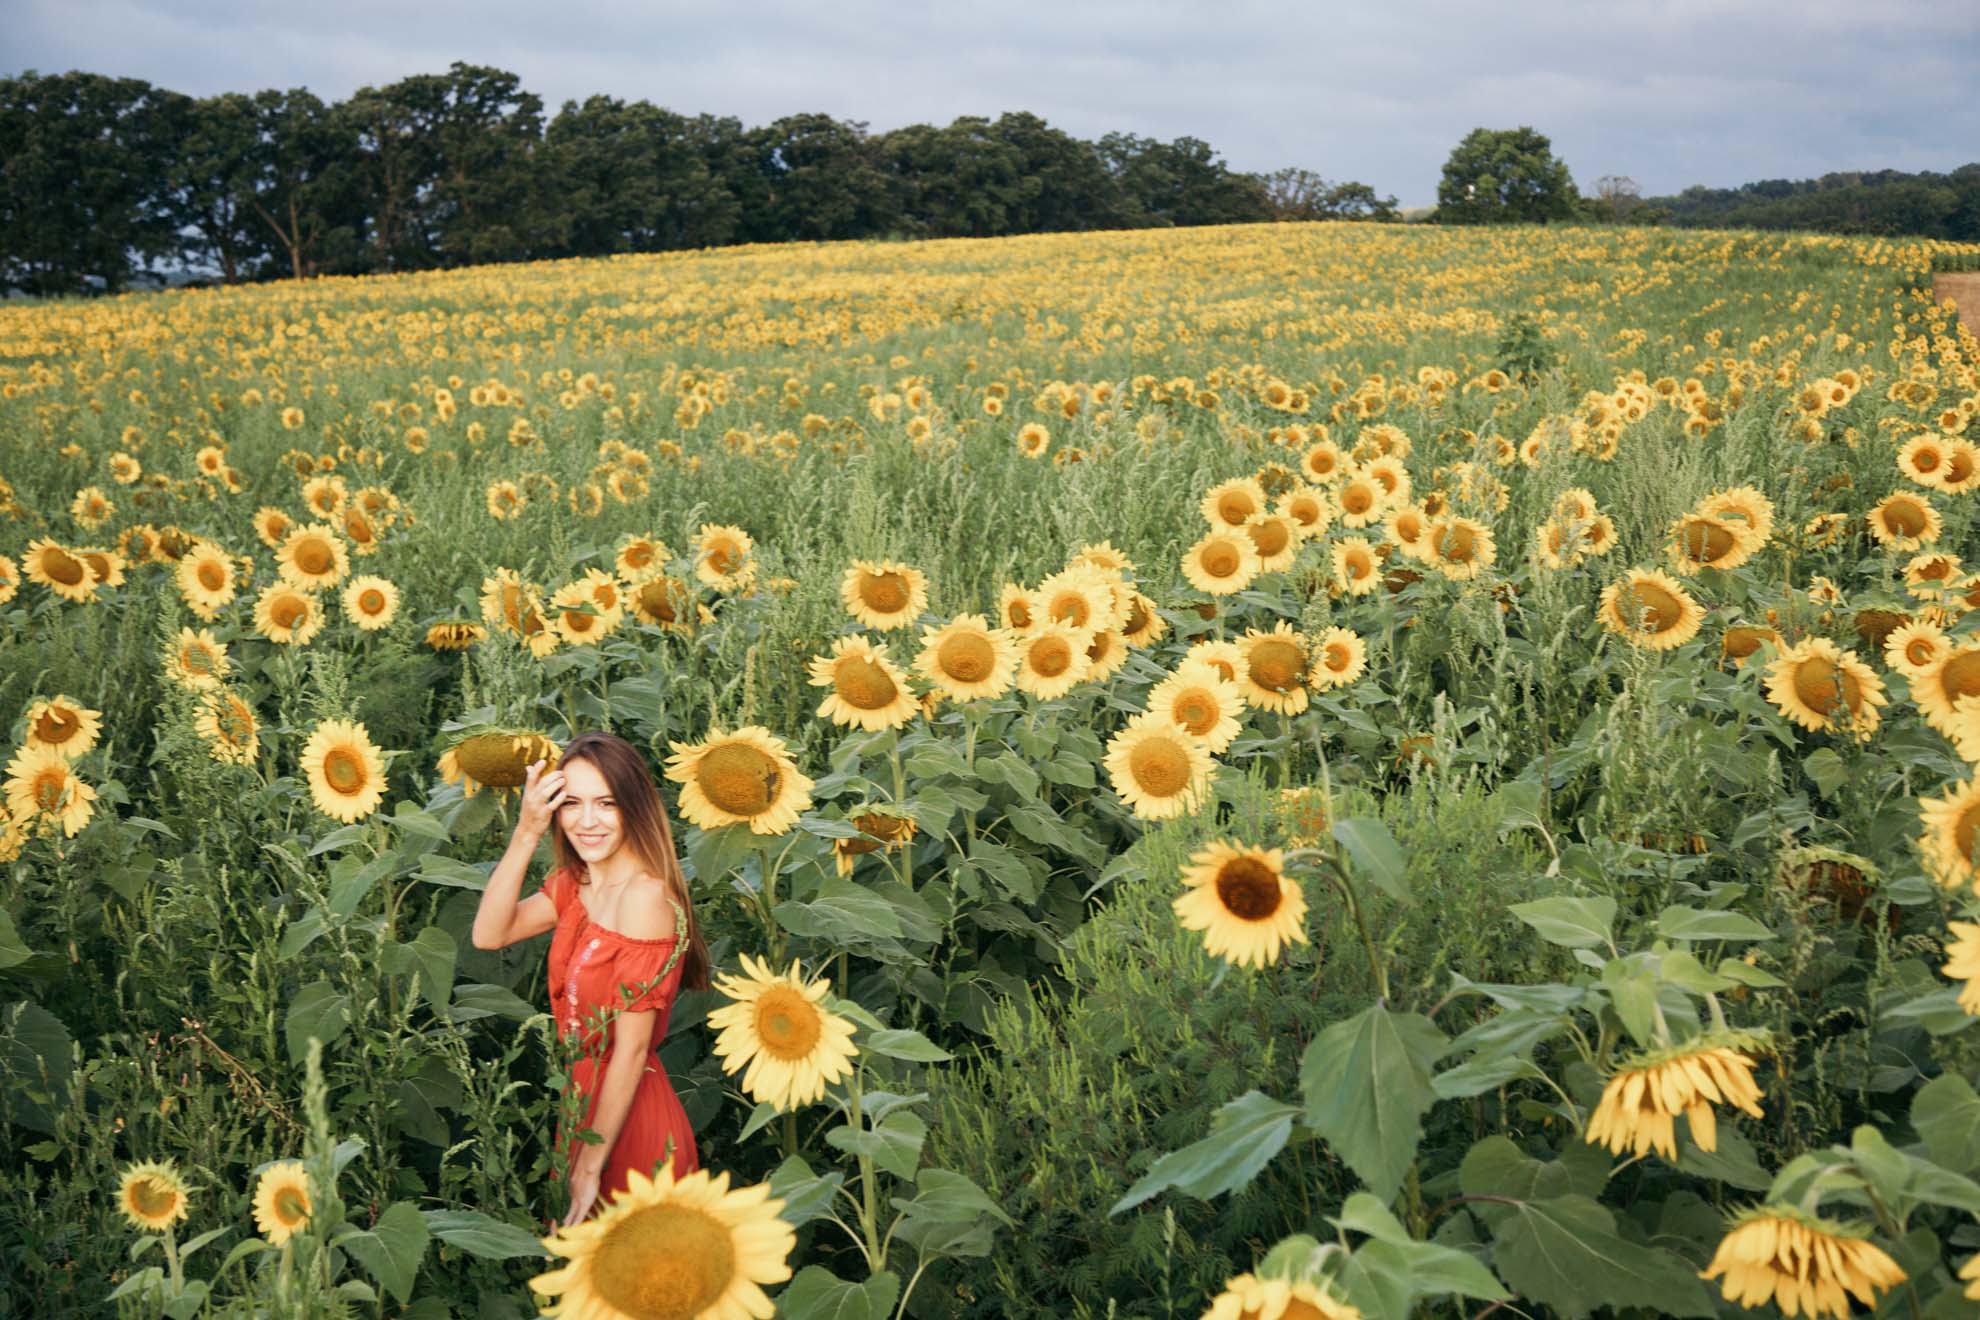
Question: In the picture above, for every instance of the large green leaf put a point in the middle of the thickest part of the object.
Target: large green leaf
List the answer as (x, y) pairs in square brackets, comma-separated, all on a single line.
[(1244, 1136), (949, 1215), (482, 1235), (431, 954), (818, 1294), (1375, 854), (1573, 923), (897, 1043), (894, 1144), (1431, 1270), (1946, 1113), (320, 1010), (1367, 1086), (13, 950), (391, 1249), (1563, 1252), (805, 1195), (842, 911), (1683, 923), (474, 999)]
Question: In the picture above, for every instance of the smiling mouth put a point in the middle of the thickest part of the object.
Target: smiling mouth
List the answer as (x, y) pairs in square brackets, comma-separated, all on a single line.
[(592, 839)]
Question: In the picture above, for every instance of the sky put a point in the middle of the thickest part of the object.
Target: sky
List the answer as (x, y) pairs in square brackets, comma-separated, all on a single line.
[(1667, 92)]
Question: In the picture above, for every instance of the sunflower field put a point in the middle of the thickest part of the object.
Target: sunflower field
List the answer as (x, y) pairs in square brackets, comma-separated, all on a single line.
[(1262, 773)]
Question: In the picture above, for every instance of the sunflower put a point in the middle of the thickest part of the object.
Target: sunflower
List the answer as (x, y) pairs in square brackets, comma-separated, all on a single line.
[(1247, 1297), (777, 1027), (1200, 701), (1081, 598), (370, 602), (1927, 577), (639, 557), (1940, 687), (1222, 656), (41, 782), (1160, 771), (722, 557), (326, 496), (1321, 463), (1276, 538), (1306, 814), (1743, 641), (1742, 504), (282, 1203), (1640, 1105), (1354, 565), (346, 772), (1101, 555), (58, 570), (504, 499), (667, 602), (454, 635), (1106, 652), (966, 659), (495, 758), (672, 1247), (576, 616), (151, 1195), (1801, 1263), (1459, 548), (1274, 669), (1308, 509), (1222, 562), (505, 599), (196, 660), (1575, 504), (1820, 686), (878, 829), (1051, 660), (205, 578), (1242, 900), (1339, 658), (1361, 501), (1963, 963), (740, 778), (1904, 522), (1018, 608), (1143, 624), (1408, 526), (10, 579), (884, 595), (228, 724), (312, 557), (288, 615), (1913, 648), (1033, 440), (1951, 841), (1231, 504), (1922, 460), (1699, 541), (1648, 607), (64, 726), (866, 690), (106, 567)]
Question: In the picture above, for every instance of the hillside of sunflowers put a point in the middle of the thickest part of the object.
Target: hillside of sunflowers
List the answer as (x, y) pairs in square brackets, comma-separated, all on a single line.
[(1269, 771)]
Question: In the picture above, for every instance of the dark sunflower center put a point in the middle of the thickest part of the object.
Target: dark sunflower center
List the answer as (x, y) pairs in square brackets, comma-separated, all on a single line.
[(49, 785), (1905, 517), (1248, 889), (371, 601), (289, 612), (291, 1206), (1707, 541), (787, 1023), (57, 725), (1160, 767), (1019, 614), (668, 1262), (1196, 711), (344, 770), (1457, 543), (211, 575), (1358, 498), (315, 558), (862, 683), (153, 1197), (1072, 608), (966, 657), (1918, 651), (738, 778), (1234, 508), (1650, 606), (63, 568), (1051, 657), (1270, 536), (1277, 666), (1220, 560), (884, 593)]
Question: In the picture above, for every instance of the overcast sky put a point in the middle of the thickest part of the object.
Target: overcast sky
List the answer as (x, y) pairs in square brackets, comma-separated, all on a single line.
[(1669, 92)]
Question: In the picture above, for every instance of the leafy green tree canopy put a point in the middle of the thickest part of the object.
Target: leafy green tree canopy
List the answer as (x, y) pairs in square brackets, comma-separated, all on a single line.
[(1505, 175)]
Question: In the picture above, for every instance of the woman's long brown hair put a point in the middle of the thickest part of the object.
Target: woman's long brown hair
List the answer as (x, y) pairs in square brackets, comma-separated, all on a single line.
[(643, 822)]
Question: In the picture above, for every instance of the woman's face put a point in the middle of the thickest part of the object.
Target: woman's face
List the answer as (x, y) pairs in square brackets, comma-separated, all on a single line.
[(589, 813)]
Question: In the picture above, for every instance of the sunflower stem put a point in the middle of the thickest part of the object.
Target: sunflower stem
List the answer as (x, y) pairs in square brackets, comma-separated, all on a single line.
[(790, 1134), (1335, 873), (766, 897), (172, 1262)]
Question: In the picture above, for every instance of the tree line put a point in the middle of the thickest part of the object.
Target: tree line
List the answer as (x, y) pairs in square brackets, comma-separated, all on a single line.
[(105, 181)]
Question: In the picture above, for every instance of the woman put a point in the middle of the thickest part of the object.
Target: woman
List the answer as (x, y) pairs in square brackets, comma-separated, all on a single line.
[(626, 941)]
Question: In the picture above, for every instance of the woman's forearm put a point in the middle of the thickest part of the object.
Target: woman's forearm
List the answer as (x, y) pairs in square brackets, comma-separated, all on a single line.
[(615, 1096), (497, 912)]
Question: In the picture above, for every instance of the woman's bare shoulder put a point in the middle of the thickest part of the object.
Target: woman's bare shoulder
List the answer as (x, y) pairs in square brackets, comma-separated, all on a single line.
[(646, 913)]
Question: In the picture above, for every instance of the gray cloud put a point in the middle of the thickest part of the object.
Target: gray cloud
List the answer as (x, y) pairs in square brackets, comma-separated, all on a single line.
[(1671, 93)]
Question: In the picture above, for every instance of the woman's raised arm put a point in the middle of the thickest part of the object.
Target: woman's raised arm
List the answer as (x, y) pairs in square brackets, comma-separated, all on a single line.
[(500, 920)]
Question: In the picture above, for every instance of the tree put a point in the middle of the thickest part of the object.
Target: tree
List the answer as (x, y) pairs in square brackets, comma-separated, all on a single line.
[(1180, 183), (1297, 194), (1617, 198), (86, 183), (633, 178), (821, 179), (1504, 175)]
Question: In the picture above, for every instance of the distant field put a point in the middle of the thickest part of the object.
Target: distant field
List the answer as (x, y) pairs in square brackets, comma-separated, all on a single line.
[(1537, 658)]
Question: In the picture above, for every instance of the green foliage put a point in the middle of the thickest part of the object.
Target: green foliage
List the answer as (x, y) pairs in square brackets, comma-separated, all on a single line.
[(1497, 176)]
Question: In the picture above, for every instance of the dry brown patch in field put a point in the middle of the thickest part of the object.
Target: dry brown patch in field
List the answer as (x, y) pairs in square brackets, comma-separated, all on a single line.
[(1963, 289)]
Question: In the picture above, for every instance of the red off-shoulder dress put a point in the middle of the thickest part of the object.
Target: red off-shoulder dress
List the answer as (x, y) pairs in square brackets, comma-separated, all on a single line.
[(588, 965)]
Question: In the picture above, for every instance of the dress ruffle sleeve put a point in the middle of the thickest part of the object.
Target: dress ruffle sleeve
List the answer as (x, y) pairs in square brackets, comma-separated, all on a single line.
[(558, 886), (654, 969)]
